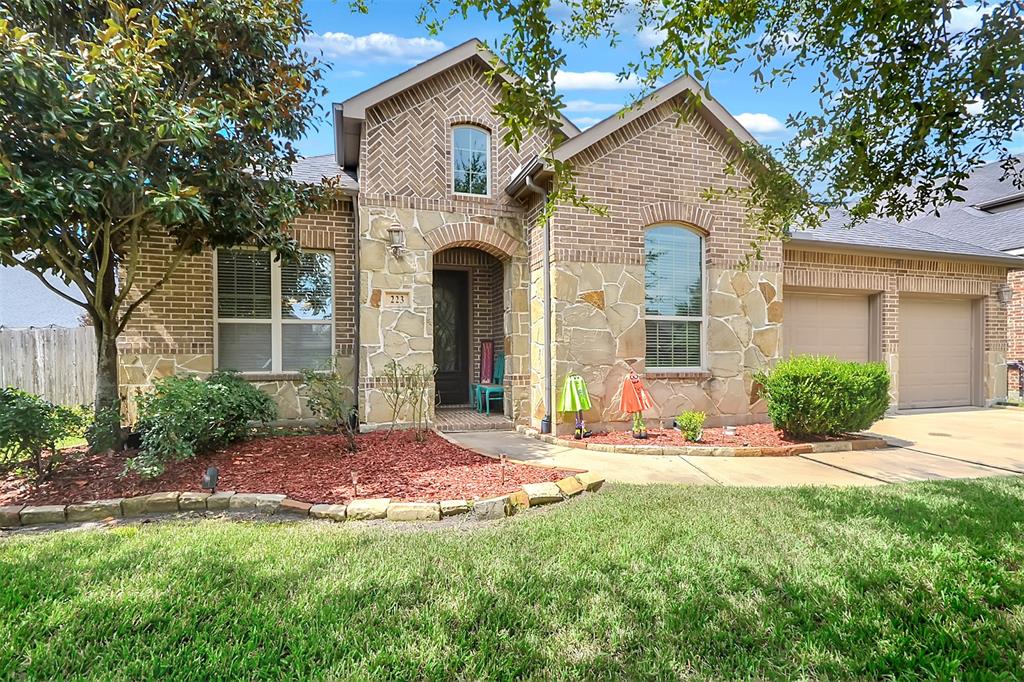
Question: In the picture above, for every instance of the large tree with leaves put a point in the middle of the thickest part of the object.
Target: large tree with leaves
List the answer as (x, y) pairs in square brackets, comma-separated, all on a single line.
[(911, 95), (151, 122)]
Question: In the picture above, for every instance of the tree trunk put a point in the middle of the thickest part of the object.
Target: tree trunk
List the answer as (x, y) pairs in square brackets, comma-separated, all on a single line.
[(107, 390), (108, 397)]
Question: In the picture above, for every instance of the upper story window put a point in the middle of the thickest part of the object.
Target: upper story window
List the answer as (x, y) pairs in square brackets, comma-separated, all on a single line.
[(674, 298), (274, 316), (471, 160)]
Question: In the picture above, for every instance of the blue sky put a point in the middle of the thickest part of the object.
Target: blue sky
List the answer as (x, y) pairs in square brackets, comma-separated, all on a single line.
[(367, 49)]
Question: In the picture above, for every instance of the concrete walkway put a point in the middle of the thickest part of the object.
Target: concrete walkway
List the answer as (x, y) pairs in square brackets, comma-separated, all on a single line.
[(935, 445)]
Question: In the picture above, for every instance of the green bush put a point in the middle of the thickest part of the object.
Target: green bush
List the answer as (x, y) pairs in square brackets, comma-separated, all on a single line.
[(329, 396), (31, 428), (185, 416), (692, 425), (822, 396)]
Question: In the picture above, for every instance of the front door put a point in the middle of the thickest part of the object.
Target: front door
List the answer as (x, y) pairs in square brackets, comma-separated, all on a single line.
[(451, 335)]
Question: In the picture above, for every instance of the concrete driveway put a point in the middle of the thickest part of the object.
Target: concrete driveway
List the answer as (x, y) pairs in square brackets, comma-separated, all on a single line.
[(933, 445)]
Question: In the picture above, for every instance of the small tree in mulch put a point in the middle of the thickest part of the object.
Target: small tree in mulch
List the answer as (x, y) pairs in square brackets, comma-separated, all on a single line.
[(329, 397), (407, 391)]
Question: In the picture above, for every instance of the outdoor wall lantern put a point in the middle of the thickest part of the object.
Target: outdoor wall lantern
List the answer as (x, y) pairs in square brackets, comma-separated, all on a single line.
[(1004, 294), (396, 239)]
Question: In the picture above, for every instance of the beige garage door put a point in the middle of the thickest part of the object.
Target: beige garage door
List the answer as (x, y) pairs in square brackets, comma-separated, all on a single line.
[(935, 352), (827, 324)]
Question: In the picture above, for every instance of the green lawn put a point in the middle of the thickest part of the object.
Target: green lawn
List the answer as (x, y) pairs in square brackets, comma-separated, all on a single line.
[(921, 580)]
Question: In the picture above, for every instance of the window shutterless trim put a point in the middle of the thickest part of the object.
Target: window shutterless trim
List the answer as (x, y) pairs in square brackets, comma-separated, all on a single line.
[(487, 137), (701, 319)]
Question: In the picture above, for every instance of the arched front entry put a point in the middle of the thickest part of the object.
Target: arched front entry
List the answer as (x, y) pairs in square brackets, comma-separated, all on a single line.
[(468, 321)]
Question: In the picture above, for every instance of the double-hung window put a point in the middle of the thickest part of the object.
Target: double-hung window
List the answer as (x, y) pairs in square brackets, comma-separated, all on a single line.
[(471, 160), (674, 298), (274, 316)]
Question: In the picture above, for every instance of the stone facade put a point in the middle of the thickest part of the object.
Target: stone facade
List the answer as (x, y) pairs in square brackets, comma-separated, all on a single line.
[(892, 276)]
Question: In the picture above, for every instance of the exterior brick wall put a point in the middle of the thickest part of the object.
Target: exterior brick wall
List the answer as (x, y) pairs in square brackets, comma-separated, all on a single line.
[(174, 330), (1015, 327)]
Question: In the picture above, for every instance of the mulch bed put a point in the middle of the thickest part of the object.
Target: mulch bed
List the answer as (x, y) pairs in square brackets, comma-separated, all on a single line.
[(315, 468), (752, 435)]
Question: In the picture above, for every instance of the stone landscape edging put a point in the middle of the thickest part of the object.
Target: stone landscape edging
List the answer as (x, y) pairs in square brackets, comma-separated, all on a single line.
[(711, 450), (529, 495)]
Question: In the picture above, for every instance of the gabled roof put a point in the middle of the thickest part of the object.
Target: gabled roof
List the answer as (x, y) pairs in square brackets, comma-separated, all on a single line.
[(720, 119), (876, 234), (313, 170), (348, 115)]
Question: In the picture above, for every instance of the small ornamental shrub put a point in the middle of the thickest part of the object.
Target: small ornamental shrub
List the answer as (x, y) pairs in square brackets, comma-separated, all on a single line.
[(30, 429), (691, 424), (822, 396), (185, 416), (329, 396), (105, 431)]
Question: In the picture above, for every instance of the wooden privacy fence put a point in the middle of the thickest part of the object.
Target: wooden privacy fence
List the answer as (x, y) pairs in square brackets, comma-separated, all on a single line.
[(54, 362)]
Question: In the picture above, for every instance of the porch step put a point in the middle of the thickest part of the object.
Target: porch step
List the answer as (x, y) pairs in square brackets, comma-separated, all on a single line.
[(451, 420)]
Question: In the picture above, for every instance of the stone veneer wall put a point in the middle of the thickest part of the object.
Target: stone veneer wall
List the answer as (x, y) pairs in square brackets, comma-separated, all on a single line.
[(655, 170), (172, 332), (892, 276)]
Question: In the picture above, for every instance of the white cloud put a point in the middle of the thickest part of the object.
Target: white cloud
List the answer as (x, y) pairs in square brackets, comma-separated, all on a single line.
[(374, 47), (966, 18), (585, 106), (584, 122), (976, 107), (650, 36), (761, 124), (593, 80)]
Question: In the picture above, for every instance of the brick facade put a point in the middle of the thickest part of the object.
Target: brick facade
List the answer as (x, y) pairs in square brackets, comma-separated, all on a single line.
[(1015, 328)]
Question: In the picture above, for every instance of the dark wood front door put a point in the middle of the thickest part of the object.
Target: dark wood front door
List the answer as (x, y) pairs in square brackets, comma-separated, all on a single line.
[(451, 335)]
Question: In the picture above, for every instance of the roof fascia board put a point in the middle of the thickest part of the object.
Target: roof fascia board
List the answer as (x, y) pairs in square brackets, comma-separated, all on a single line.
[(833, 247)]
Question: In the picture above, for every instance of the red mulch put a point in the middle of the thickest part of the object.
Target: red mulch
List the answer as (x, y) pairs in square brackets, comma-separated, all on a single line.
[(752, 435), (314, 468)]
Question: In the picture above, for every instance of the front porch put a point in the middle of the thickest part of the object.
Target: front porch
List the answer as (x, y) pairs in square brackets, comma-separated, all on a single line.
[(457, 418)]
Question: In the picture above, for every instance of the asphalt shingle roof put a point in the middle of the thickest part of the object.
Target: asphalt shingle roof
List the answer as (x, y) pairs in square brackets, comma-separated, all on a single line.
[(875, 233), (314, 169), (1001, 231)]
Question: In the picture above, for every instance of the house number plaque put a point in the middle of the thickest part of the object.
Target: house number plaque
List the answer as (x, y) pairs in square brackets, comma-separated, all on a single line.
[(396, 299)]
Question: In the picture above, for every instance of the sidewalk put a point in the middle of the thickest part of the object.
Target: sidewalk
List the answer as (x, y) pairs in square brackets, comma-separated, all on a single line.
[(868, 467)]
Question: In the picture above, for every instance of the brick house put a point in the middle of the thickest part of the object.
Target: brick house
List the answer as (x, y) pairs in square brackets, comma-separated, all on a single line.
[(434, 247)]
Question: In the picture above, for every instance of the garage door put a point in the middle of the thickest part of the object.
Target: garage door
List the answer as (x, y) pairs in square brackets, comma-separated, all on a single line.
[(935, 352), (827, 324)]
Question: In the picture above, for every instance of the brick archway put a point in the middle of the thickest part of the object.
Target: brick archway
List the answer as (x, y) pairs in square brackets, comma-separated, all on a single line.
[(487, 238), (678, 212)]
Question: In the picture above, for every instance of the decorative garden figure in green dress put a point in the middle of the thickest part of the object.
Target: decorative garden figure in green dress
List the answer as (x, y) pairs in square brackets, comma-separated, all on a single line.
[(575, 398)]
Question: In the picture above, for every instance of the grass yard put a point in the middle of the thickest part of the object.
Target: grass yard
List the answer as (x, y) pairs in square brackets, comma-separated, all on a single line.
[(918, 580)]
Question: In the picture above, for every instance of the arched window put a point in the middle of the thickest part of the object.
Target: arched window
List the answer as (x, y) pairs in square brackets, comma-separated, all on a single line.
[(674, 298), (471, 160)]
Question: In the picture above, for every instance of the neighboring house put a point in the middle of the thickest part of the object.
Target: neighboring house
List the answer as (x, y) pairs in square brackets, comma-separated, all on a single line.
[(26, 302), (435, 247)]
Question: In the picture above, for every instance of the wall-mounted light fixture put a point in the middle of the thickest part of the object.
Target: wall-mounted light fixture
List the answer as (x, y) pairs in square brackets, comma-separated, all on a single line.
[(396, 239), (1004, 294)]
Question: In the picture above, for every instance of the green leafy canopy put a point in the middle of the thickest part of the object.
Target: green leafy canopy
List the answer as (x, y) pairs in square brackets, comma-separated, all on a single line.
[(910, 97)]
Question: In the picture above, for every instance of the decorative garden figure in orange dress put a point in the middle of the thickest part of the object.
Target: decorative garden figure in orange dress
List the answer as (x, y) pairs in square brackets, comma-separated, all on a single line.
[(634, 400)]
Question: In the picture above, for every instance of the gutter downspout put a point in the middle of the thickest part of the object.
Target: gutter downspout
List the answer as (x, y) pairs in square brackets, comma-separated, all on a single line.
[(356, 347), (545, 424)]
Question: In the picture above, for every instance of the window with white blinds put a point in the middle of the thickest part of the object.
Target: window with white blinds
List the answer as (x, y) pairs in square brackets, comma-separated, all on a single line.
[(274, 316), (674, 298)]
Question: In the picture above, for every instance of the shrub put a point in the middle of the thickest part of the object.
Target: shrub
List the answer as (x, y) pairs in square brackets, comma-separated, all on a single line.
[(104, 432), (692, 425), (822, 396), (329, 397), (185, 416), (31, 428)]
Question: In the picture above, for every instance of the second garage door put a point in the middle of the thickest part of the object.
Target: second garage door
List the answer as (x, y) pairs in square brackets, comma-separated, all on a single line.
[(936, 356), (827, 324)]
